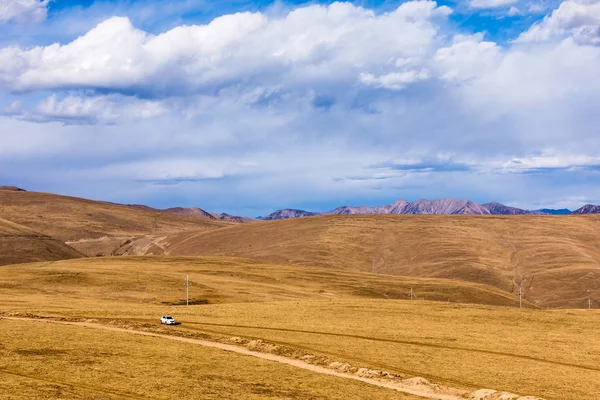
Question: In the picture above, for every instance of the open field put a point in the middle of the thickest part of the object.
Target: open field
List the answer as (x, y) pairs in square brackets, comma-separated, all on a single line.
[(119, 283), (20, 244), (558, 256), (551, 354), (49, 361), (96, 227)]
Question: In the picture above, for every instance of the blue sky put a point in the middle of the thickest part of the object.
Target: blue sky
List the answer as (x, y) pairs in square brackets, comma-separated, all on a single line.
[(249, 106)]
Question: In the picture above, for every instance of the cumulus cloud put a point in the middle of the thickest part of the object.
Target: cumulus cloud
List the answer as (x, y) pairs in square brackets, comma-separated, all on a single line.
[(468, 57), (578, 19), (309, 45), (23, 10), (309, 105)]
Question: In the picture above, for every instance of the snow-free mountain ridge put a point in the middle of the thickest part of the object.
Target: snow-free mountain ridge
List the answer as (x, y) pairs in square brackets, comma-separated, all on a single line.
[(441, 206)]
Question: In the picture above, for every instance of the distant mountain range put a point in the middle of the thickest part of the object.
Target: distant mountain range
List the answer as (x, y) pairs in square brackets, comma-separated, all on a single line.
[(195, 212), (442, 206), (587, 209), (288, 213)]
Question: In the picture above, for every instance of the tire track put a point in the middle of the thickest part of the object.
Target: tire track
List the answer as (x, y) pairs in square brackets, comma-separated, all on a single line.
[(265, 356), (405, 342), (361, 337), (354, 360)]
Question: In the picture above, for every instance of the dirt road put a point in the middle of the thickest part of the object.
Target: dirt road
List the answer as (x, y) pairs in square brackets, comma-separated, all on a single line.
[(425, 391)]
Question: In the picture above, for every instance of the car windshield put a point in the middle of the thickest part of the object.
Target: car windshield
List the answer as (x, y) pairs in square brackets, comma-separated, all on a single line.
[(168, 317)]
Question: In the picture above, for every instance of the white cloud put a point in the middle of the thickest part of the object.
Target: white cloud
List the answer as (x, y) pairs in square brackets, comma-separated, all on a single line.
[(537, 8), (551, 161), (309, 45), (286, 109), (573, 18), (514, 11), (468, 57), (483, 4), (90, 110), (23, 10), (394, 80)]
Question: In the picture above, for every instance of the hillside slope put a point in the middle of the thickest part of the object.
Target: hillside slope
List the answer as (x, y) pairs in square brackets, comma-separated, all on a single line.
[(136, 281), (558, 257), (19, 244), (95, 227), (588, 209)]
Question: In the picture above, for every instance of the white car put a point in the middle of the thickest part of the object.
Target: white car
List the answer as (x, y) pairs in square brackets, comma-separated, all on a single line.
[(167, 319)]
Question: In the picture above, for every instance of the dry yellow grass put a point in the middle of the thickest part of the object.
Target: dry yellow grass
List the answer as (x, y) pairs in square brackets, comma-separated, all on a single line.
[(558, 255), (94, 227), (20, 244), (552, 354), (124, 282), (44, 361)]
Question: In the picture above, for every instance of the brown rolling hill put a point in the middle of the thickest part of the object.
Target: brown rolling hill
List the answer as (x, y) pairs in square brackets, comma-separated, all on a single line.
[(19, 244), (557, 257), (96, 227), (126, 282)]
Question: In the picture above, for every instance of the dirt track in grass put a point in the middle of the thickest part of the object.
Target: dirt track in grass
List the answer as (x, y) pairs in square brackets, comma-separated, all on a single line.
[(415, 386)]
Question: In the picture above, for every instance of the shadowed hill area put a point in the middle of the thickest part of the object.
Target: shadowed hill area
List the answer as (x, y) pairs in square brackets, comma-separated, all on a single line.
[(20, 244), (558, 257), (95, 227)]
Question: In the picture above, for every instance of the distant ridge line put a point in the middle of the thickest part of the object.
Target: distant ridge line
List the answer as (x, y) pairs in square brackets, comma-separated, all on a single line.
[(442, 206)]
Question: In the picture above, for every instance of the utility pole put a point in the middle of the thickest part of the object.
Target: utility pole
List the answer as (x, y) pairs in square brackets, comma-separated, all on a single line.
[(411, 293), (589, 301), (521, 294), (187, 290)]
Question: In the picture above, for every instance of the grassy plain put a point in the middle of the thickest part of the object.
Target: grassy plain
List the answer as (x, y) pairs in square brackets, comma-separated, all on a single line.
[(48, 361), (552, 354), (558, 256)]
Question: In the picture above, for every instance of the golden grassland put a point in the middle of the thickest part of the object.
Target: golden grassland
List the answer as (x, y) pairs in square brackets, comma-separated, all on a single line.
[(552, 354), (549, 354), (48, 361), (558, 256), (83, 223), (19, 244), (120, 282)]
